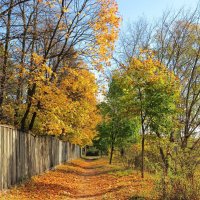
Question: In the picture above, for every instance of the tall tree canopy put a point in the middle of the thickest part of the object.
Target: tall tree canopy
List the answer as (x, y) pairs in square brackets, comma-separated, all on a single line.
[(48, 51), (174, 39)]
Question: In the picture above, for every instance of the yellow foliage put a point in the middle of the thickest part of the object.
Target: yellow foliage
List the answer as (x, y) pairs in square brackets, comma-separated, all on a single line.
[(106, 28), (65, 106)]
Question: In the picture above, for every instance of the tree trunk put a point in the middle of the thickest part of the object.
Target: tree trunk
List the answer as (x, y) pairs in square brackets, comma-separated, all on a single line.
[(5, 60), (31, 92), (142, 167), (142, 118), (111, 153), (20, 80), (34, 117), (165, 161)]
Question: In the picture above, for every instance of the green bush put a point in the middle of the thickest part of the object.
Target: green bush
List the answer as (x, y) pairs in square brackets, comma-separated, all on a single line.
[(92, 151)]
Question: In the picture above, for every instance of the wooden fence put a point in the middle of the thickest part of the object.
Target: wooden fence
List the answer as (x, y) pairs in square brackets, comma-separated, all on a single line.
[(22, 155)]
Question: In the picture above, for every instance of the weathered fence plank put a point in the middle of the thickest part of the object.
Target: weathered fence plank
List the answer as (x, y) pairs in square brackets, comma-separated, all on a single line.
[(24, 155)]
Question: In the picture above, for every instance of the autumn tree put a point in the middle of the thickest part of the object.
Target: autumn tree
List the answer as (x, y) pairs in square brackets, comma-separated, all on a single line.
[(151, 93), (174, 39), (41, 39), (66, 106)]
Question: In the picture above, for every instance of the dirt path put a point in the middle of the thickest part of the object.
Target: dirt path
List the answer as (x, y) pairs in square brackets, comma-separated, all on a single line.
[(82, 180)]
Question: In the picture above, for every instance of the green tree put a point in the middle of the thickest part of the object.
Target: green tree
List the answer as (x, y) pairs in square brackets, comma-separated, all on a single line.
[(116, 129), (151, 93)]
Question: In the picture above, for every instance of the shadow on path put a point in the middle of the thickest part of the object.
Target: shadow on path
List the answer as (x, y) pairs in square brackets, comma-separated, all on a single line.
[(98, 194), (84, 174)]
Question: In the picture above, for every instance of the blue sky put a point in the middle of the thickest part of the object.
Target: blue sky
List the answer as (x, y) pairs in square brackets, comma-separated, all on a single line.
[(131, 10)]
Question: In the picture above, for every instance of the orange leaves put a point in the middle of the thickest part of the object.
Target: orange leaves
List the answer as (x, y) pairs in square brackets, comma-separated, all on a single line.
[(106, 27), (149, 71), (80, 89), (67, 104), (65, 9), (37, 59), (84, 179)]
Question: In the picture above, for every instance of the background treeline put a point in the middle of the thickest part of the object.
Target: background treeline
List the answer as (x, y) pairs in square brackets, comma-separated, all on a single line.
[(49, 51), (151, 115)]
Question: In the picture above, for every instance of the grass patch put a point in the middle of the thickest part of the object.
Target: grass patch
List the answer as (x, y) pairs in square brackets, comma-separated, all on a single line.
[(90, 157), (122, 172)]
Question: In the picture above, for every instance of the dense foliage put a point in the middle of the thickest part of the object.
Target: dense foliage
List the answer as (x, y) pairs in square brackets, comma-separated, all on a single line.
[(49, 53), (158, 90), (52, 52)]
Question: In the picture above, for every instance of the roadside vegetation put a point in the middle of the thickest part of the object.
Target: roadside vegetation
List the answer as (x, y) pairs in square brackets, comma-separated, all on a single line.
[(137, 101), (150, 116)]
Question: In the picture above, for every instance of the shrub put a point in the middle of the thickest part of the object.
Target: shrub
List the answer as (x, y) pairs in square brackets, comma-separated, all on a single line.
[(183, 179), (92, 151), (131, 156), (178, 188)]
